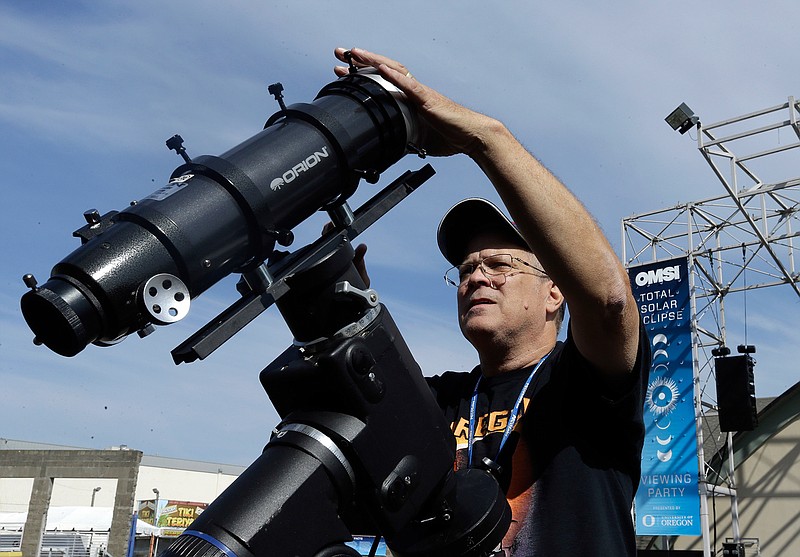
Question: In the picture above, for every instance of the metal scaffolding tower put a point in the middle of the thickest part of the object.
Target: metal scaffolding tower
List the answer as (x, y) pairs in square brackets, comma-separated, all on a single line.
[(735, 242)]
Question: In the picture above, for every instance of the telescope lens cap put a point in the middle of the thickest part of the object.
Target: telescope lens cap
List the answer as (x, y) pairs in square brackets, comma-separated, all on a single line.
[(480, 518), (60, 316)]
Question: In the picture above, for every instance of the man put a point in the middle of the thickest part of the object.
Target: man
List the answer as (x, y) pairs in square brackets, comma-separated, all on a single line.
[(560, 424)]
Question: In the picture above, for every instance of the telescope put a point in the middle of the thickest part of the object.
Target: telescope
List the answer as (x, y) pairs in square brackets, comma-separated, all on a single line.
[(362, 447)]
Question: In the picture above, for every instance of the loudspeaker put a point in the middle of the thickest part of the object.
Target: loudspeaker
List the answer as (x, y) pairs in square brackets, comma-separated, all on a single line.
[(733, 549), (736, 393), (670, 553)]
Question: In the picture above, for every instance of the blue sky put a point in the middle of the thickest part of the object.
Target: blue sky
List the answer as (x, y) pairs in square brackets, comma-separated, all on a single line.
[(90, 91)]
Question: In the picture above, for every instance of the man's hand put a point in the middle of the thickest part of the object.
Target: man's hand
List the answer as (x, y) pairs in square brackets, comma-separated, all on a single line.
[(360, 264), (358, 258), (450, 127)]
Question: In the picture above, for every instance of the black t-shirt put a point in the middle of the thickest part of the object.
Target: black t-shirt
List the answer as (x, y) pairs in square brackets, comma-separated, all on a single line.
[(571, 475)]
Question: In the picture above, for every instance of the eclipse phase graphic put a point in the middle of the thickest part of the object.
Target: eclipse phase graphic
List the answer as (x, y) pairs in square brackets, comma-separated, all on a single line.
[(662, 396), (663, 442), (664, 457), (660, 352)]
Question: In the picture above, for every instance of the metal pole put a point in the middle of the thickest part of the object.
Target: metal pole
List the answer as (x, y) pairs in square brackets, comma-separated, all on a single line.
[(734, 497), (698, 410), (155, 522)]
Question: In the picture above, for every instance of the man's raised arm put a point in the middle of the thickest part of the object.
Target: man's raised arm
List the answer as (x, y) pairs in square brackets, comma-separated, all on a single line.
[(564, 236)]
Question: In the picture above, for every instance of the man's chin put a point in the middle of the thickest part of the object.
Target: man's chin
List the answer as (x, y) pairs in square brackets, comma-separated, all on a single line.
[(476, 327)]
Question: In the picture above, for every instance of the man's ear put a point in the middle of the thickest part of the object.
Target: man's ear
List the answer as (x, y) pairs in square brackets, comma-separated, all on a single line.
[(555, 299)]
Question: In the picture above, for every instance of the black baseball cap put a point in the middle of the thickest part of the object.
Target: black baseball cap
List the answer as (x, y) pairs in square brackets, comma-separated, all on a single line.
[(467, 218)]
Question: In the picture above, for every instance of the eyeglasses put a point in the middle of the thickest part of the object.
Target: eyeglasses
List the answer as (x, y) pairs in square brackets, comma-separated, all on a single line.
[(493, 267)]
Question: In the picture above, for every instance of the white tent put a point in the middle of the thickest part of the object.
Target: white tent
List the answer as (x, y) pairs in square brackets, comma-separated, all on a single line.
[(12, 521), (146, 529), (82, 519)]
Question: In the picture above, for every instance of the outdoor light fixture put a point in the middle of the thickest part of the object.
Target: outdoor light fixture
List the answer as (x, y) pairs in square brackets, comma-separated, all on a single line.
[(682, 118), (94, 492), (155, 509), (155, 519)]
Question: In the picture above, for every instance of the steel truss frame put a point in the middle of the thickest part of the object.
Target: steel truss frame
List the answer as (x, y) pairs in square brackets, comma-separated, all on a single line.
[(739, 241)]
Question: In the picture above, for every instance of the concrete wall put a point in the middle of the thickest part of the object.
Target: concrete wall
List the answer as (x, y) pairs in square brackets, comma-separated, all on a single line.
[(768, 485), (45, 467)]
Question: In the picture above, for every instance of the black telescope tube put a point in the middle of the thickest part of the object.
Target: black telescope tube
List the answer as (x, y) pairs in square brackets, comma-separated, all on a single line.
[(269, 507), (219, 215)]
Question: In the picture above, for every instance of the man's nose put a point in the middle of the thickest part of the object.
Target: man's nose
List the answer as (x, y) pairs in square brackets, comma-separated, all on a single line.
[(479, 276)]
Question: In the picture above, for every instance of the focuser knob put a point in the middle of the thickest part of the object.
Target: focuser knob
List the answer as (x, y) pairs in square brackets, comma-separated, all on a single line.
[(175, 143), (276, 90), (351, 67), (370, 176), (283, 236), (30, 281), (95, 224), (92, 216)]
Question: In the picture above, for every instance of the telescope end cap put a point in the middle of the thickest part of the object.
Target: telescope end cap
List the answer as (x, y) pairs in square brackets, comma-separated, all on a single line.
[(57, 314)]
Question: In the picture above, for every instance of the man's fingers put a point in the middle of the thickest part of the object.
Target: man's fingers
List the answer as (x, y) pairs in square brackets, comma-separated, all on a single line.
[(363, 58), (376, 60), (360, 264)]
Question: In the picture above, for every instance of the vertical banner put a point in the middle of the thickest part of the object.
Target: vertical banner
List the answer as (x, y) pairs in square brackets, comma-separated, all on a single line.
[(668, 500), (132, 536)]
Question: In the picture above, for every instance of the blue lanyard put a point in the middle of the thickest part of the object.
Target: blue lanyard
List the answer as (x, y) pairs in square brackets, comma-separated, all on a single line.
[(512, 418)]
